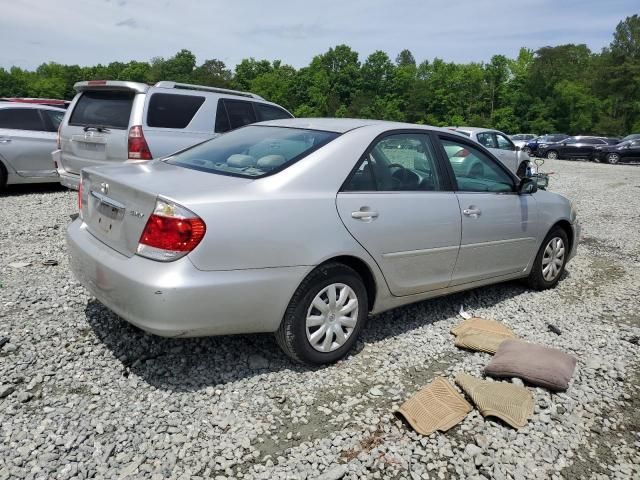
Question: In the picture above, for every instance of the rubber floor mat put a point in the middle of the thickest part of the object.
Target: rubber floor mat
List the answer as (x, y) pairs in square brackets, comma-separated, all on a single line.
[(438, 406), (508, 402)]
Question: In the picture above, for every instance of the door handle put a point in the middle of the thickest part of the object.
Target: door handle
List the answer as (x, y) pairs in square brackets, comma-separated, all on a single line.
[(470, 212), (364, 214)]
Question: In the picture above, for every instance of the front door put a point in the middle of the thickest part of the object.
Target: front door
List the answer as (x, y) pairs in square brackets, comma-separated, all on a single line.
[(498, 224), (399, 206)]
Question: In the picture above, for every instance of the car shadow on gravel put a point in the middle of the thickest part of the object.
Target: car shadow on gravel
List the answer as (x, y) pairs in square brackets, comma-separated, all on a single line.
[(189, 364), (30, 189)]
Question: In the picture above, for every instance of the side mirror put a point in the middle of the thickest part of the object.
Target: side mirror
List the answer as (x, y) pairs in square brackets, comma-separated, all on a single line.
[(518, 148), (527, 186)]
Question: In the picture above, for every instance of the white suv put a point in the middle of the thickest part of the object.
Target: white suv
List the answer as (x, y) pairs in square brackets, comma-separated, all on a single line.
[(111, 122)]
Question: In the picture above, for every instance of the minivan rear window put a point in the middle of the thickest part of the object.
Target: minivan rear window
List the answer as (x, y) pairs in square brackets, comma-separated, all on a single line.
[(103, 109), (253, 151), (172, 111)]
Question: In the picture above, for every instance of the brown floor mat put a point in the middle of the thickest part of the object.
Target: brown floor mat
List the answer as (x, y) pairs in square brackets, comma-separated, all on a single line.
[(483, 325), (438, 406), (508, 402)]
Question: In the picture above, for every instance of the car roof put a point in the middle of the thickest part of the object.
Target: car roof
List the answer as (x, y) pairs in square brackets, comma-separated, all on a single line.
[(30, 105), (342, 125)]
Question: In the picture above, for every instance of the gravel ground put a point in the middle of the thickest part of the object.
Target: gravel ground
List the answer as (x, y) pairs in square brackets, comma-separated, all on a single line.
[(83, 394)]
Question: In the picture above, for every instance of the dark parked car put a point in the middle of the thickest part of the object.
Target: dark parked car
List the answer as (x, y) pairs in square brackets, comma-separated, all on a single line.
[(531, 148), (628, 151), (633, 136), (574, 147)]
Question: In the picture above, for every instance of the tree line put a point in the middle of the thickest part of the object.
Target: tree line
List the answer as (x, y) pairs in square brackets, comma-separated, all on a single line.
[(566, 88)]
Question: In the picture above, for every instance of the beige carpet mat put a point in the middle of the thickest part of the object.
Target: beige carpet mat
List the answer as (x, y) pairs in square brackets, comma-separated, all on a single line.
[(482, 325), (438, 406), (508, 402), (481, 341)]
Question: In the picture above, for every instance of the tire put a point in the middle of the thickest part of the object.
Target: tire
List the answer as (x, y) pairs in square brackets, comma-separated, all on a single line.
[(522, 170), (552, 155), (3, 177), (538, 278), (612, 158), (294, 335)]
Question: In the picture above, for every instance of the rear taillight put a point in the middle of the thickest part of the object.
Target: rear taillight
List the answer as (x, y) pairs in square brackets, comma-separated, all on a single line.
[(171, 232), (137, 145)]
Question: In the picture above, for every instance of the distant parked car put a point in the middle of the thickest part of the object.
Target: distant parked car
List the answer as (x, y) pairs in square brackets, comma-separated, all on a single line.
[(111, 122), (627, 151), (531, 148), (303, 227), (573, 147), (521, 139), (50, 102), (501, 146), (27, 138), (633, 136)]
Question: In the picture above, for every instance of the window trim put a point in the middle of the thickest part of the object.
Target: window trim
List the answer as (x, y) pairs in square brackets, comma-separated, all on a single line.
[(478, 146), (445, 180)]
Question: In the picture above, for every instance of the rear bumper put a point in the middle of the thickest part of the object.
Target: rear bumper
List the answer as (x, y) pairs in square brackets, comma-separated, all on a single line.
[(175, 299), (67, 179)]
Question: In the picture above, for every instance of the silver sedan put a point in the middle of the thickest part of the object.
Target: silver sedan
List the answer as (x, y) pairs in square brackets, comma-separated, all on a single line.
[(305, 227)]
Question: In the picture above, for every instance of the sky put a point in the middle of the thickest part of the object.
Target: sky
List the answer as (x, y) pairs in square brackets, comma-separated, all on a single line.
[(89, 32)]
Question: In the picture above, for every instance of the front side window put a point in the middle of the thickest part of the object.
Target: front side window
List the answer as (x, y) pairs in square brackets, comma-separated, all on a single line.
[(487, 139), (400, 162), (504, 143), (240, 113), (253, 151), (270, 112), (168, 110), (21, 119), (474, 170), (110, 109)]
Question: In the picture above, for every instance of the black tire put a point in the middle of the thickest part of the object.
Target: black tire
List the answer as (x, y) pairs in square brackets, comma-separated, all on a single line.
[(550, 155), (3, 177), (522, 170), (612, 158), (536, 279), (292, 334)]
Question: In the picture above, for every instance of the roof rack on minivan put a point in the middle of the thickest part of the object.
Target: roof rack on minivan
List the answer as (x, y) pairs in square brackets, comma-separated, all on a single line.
[(188, 86)]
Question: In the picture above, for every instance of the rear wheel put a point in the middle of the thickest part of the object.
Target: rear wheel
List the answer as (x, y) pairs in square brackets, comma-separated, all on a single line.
[(552, 155), (613, 158), (550, 260), (3, 177), (325, 315)]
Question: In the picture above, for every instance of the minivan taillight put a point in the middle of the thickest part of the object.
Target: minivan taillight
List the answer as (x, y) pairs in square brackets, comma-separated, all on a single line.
[(171, 232), (137, 145)]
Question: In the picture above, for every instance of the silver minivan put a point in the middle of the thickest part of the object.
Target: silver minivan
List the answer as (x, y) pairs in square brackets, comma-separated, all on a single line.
[(112, 122)]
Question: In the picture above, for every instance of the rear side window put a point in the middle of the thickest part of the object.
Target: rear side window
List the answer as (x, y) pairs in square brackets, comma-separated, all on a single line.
[(172, 111), (240, 113), (54, 117), (21, 119), (270, 112), (222, 121), (103, 109)]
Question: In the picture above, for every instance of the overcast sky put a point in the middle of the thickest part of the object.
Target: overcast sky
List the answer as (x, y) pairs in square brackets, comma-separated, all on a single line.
[(101, 31)]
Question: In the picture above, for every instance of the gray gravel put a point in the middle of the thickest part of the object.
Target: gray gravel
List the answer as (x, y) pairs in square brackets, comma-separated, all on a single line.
[(83, 394)]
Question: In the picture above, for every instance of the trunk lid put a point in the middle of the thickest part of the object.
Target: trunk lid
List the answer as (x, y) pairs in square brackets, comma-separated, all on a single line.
[(118, 201), (95, 131)]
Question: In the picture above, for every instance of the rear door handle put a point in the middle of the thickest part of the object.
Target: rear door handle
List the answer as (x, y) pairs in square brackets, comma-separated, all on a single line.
[(364, 214), (469, 212)]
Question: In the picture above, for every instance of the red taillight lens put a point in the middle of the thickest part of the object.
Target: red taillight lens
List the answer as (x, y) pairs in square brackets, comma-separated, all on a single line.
[(175, 234), (137, 145), (171, 232)]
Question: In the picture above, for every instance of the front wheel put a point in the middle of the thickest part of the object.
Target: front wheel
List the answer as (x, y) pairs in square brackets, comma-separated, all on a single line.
[(552, 155), (613, 158), (325, 315), (550, 260)]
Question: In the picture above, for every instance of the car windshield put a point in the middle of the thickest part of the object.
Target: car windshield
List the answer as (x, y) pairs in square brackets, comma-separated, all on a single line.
[(252, 151)]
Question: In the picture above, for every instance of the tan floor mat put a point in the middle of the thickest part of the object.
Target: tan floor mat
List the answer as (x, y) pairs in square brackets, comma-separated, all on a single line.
[(483, 325), (508, 402), (438, 406), (481, 341)]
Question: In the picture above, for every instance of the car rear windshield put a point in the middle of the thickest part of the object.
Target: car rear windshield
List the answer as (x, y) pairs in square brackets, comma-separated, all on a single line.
[(252, 151), (103, 109)]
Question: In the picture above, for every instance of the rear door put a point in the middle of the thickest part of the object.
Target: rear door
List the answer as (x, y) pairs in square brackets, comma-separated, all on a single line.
[(176, 119), (95, 131), (398, 205), (27, 139), (498, 226)]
